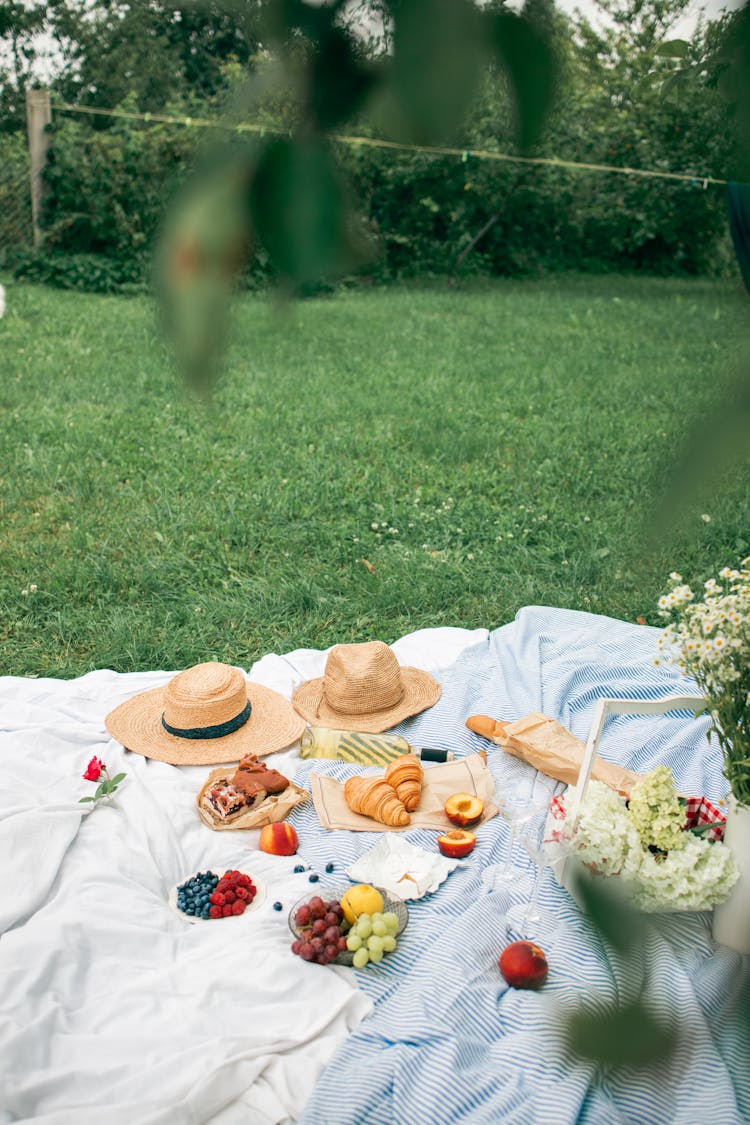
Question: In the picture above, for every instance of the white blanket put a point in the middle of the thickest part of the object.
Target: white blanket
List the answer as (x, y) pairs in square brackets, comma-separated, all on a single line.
[(113, 1009)]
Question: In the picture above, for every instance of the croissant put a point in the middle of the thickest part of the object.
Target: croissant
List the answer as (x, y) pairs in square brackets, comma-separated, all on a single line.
[(405, 775), (372, 796)]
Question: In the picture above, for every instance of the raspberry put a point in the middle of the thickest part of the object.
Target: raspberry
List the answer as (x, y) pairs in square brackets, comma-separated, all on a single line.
[(215, 912), (238, 907), (242, 893), (217, 899), (229, 897), (226, 910)]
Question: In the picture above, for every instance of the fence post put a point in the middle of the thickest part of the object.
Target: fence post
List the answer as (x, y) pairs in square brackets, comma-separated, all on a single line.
[(38, 116)]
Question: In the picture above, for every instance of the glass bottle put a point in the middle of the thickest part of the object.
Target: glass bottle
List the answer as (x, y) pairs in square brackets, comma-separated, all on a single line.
[(363, 749)]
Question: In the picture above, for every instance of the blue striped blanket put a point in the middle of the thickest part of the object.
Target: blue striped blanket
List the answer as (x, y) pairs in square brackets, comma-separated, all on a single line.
[(447, 1040)]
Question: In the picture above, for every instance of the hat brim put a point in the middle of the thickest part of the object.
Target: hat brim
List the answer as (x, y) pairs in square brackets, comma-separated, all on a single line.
[(420, 692), (273, 725)]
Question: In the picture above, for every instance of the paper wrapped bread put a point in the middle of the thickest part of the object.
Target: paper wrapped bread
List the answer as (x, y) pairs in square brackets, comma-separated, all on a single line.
[(547, 746)]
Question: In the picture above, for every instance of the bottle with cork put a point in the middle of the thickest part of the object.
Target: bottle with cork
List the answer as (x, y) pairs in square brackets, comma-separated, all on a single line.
[(363, 749)]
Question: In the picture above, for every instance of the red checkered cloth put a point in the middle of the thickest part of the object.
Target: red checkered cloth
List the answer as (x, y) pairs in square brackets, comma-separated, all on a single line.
[(698, 811)]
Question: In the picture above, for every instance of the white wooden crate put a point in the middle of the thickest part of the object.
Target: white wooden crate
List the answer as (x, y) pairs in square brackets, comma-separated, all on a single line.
[(563, 866)]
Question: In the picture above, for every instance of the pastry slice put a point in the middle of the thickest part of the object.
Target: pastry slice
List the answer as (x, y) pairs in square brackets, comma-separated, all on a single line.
[(227, 800), (250, 774)]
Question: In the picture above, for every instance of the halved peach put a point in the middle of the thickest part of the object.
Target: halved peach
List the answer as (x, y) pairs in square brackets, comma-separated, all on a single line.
[(457, 843), (464, 809)]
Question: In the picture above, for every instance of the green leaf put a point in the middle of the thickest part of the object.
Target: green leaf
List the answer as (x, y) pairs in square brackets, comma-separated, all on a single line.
[(118, 778), (82, 800), (673, 49), (626, 1036), (716, 444), (301, 210), (606, 907), (339, 82), (206, 242), (527, 56), (439, 51)]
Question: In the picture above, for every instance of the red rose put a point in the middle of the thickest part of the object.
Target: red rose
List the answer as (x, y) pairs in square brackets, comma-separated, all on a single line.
[(93, 769)]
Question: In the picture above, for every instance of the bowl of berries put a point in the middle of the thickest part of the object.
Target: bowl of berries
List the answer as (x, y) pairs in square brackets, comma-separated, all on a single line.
[(328, 928), (208, 897)]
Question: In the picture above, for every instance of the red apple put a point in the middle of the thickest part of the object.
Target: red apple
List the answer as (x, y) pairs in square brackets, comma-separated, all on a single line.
[(464, 809), (457, 843), (523, 965), (279, 839)]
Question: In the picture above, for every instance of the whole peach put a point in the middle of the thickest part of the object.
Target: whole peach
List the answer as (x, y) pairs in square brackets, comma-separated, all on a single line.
[(523, 965), (279, 839)]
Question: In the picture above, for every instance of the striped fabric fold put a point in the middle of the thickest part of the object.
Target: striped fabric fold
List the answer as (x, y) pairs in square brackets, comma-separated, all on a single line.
[(448, 1041)]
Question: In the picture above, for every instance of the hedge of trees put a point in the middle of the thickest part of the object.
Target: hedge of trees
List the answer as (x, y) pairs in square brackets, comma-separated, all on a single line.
[(628, 96)]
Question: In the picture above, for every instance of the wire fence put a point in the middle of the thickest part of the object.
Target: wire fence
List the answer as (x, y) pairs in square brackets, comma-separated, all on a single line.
[(106, 192), (16, 227)]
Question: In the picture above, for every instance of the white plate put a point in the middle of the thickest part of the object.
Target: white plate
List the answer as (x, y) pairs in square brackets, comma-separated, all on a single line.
[(260, 897)]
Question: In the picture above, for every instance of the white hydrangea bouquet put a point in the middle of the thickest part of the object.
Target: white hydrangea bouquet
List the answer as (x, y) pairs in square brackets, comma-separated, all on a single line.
[(667, 856), (710, 641)]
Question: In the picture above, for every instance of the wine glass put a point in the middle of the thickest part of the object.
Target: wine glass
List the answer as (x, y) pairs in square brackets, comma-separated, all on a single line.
[(530, 920), (519, 803)]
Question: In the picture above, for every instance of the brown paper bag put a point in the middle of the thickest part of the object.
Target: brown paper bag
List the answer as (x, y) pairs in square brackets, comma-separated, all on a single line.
[(550, 748), (466, 775), (269, 810)]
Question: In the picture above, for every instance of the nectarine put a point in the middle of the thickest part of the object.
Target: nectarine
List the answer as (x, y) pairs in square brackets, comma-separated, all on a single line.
[(278, 839), (523, 965), (464, 809), (457, 843)]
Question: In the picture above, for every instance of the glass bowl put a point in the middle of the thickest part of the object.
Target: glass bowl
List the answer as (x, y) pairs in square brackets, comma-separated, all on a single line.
[(391, 902)]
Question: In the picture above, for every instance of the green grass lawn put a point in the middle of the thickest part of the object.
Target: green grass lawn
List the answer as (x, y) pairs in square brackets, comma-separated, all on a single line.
[(371, 463)]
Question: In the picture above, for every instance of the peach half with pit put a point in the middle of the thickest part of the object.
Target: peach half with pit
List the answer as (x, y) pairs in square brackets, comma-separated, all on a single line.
[(278, 839), (457, 843), (523, 964), (464, 809)]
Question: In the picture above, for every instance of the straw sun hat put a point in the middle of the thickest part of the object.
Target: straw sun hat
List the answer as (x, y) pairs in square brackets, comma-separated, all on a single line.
[(206, 715), (365, 689)]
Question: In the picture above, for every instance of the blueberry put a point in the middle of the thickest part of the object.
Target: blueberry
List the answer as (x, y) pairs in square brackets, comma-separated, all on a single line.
[(298, 868), (278, 906), (314, 878), (329, 868)]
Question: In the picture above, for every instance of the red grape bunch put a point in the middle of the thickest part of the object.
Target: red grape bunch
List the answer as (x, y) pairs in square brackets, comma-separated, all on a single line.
[(319, 926)]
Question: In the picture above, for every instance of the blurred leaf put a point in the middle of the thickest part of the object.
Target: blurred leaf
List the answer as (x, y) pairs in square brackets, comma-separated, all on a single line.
[(438, 56), (728, 84), (673, 49), (301, 210), (615, 919), (339, 81), (202, 250), (527, 56), (717, 443), (314, 21), (625, 1036)]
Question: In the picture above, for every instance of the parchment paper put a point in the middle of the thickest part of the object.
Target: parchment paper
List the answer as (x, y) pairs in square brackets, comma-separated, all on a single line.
[(466, 775)]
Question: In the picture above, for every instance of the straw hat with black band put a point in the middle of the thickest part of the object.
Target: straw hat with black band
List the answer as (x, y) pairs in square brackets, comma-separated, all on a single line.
[(364, 688), (206, 715)]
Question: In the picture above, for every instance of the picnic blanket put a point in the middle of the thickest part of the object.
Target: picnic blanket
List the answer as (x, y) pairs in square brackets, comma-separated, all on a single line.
[(113, 1008)]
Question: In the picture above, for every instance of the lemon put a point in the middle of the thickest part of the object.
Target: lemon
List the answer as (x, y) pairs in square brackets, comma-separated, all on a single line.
[(362, 899)]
